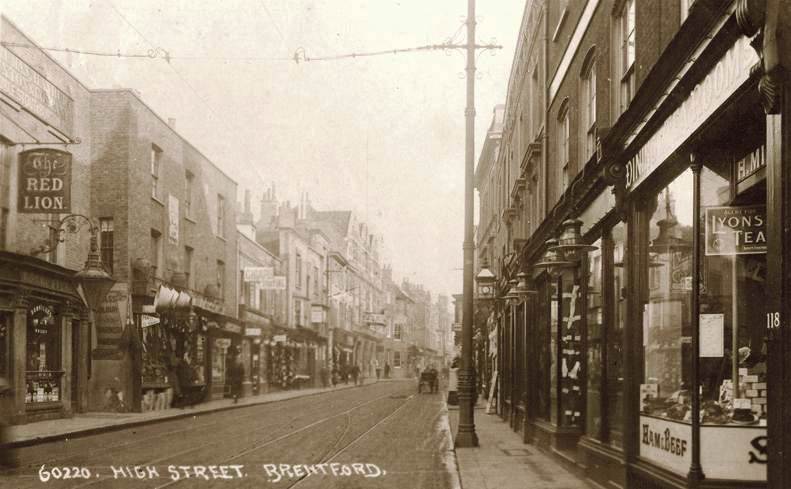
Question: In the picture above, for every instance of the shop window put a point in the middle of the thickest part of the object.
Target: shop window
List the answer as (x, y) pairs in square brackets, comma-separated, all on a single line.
[(733, 326), (106, 240), (667, 327), (43, 373), (596, 333), (615, 327)]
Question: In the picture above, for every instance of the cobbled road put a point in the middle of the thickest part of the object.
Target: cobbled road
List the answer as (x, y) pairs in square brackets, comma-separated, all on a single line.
[(381, 435)]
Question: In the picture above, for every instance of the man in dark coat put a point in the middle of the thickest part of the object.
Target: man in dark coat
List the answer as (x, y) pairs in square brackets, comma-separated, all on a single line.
[(235, 377), (355, 373)]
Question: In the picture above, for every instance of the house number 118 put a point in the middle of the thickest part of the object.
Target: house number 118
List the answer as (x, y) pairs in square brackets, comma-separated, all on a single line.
[(773, 320)]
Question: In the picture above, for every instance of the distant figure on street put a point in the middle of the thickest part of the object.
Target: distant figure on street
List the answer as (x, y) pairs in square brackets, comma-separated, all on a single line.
[(335, 376), (387, 370), (356, 373), (235, 377), (345, 374), (324, 374)]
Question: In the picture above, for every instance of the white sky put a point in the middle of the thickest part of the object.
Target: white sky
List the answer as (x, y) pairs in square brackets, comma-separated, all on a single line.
[(382, 136)]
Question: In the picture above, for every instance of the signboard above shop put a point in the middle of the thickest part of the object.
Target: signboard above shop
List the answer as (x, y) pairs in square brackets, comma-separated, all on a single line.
[(730, 73), (44, 181), (736, 230), (277, 282), (257, 274)]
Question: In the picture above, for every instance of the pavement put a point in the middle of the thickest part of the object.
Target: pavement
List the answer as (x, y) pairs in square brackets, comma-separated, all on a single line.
[(503, 461), (91, 423)]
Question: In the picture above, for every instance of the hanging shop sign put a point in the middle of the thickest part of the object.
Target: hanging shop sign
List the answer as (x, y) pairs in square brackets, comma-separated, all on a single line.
[(28, 88), (232, 328), (44, 181), (147, 321), (279, 338), (317, 314), (252, 331), (666, 443), (736, 230), (370, 317), (258, 274), (722, 81)]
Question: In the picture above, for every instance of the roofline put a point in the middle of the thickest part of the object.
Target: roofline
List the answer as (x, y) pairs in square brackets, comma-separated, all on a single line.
[(259, 245), (172, 129), (44, 52)]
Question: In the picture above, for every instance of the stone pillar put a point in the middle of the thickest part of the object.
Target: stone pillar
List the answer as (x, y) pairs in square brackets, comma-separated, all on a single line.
[(19, 357)]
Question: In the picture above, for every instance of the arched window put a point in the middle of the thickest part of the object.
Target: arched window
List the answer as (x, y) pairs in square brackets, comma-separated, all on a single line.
[(564, 129), (588, 105)]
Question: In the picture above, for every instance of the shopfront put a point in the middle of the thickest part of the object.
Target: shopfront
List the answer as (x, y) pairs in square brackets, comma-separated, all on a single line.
[(695, 339), (44, 337)]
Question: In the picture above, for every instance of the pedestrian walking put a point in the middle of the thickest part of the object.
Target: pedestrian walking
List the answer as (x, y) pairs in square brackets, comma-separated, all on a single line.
[(235, 376), (345, 374), (387, 370), (377, 369), (335, 376), (355, 373), (324, 374)]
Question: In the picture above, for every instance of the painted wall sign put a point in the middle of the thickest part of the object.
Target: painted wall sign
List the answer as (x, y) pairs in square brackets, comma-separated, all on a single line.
[(110, 322), (258, 274), (750, 164), (29, 89), (667, 443), (736, 230), (721, 82), (44, 181), (248, 331)]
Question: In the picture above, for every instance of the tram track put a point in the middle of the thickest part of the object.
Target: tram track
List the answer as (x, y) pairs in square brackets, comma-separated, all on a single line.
[(197, 426), (258, 446)]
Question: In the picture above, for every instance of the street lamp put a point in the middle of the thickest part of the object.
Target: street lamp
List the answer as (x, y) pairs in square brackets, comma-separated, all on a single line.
[(93, 278)]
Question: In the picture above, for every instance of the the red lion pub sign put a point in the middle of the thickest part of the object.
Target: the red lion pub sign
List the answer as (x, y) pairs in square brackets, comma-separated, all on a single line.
[(44, 181)]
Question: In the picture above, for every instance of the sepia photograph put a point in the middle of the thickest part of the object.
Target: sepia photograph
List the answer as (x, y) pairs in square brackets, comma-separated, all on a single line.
[(391, 244)]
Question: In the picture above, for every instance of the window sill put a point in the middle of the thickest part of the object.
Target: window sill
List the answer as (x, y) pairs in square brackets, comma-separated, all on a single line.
[(155, 199)]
